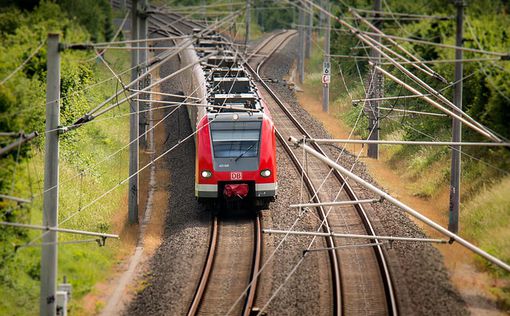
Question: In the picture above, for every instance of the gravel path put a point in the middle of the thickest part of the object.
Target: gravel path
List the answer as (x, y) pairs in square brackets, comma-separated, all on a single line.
[(423, 286)]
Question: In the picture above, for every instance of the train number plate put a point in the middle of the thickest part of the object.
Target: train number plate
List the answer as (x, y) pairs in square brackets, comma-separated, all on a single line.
[(236, 176)]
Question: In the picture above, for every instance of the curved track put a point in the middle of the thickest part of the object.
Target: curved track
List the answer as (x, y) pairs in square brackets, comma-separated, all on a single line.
[(230, 267), (364, 286)]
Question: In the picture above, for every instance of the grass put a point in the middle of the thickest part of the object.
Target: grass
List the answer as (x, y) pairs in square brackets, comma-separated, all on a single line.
[(486, 220), (82, 180)]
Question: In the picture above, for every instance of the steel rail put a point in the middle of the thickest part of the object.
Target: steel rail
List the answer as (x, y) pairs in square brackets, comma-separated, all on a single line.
[(335, 265), (333, 257), (257, 252), (379, 252), (275, 48), (202, 285)]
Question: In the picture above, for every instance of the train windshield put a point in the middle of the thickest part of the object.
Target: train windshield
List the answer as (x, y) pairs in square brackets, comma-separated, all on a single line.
[(235, 139)]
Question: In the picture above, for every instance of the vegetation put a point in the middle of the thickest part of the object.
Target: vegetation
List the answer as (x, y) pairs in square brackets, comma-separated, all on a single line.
[(485, 179), (23, 27)]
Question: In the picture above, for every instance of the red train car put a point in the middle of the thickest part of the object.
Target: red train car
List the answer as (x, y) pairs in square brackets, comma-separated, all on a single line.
[(236, 157), (235, 136)]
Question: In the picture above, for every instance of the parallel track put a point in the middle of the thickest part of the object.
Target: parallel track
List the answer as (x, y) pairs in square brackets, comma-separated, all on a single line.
[(365, 285)]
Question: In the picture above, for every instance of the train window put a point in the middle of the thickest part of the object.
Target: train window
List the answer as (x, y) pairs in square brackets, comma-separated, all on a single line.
[(235, 139), (236, 149)]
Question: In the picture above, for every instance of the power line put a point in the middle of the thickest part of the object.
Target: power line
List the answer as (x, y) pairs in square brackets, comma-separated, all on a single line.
[(466, 49), (402, 14)]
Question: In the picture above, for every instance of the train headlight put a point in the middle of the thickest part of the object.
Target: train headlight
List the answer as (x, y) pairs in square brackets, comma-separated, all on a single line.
[(206, 174), (265, 173)]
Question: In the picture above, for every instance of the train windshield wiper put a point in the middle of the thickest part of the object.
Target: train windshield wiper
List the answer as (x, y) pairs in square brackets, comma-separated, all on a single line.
[(244, 152)]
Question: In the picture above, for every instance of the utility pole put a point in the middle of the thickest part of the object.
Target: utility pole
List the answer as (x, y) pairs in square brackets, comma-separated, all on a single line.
[(133, 123), (49, 254), (326, 73), (248, 22), (453, 223), (375, 89), (309, 25), (142, 60), (301, 48)]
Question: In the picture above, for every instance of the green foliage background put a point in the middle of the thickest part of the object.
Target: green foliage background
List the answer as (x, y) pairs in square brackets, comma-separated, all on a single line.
[(24, 26)]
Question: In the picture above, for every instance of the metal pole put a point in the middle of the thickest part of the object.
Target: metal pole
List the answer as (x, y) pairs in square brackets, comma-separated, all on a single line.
[(248, 22), (325, 86), (301, 48), (142, 59), (133, 123), (308, 37), (49, 254), (406, 208), (375, 86), (453, 222)]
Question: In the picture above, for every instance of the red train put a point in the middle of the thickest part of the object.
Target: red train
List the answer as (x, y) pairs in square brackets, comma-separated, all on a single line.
[(235, 139)]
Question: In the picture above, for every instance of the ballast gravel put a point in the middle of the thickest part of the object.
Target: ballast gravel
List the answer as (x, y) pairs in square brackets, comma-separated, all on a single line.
[(422, 281)]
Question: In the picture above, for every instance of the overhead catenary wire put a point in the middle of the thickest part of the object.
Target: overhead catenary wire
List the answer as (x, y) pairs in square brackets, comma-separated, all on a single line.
[(482, 68), (16, 144), (418, 65), (465, 154), (465, 117), (466, 49), (127, 179), (160, 60), (402, 14), (462, 117), (412, 111), (406, 208), (306, 251), (57, 229), (83, 123), (300, 215)]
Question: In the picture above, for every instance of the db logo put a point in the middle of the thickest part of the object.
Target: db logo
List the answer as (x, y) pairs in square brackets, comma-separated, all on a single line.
[(236, 176)]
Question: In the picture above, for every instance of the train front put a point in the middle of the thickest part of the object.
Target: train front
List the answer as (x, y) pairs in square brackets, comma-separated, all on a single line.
[(236, 158)]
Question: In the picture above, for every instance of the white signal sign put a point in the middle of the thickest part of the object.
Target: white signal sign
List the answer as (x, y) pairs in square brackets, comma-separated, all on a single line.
[(326, 68), (326, 79)]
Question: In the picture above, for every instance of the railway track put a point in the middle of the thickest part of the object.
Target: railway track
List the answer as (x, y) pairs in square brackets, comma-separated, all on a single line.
[(235, 244), (362, 283), (231, 265)]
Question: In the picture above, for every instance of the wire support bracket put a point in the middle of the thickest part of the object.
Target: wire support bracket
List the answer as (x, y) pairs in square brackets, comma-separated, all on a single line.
[(60, 230), (336, 203), (374, 244), (354, 236)]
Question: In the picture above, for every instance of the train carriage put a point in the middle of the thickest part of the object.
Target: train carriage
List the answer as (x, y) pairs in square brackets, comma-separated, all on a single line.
[(235, 136)]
